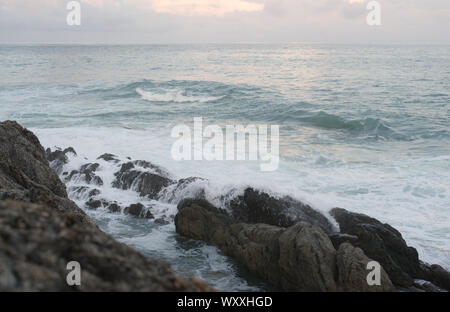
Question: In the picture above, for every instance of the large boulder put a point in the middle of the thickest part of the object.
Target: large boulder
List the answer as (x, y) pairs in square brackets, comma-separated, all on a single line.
[(41, 231), (37, 242), (352, 271), (386, 245), (25, 174), (255, 206), (296, 258), (87, 174)]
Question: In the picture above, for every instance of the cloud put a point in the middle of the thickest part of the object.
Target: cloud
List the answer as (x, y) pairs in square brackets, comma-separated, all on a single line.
[(205, 7), (167, 21)]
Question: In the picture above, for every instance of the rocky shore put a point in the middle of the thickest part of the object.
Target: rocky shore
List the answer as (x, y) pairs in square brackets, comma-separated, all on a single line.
[(41, 230), (281, 240)]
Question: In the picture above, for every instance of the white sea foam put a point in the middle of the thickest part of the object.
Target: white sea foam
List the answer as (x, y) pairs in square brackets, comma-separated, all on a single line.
[(174, 95), (407, 193)]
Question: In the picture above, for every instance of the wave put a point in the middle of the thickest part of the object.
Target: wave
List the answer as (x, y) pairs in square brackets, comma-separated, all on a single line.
[(177, 96), (324, 120)]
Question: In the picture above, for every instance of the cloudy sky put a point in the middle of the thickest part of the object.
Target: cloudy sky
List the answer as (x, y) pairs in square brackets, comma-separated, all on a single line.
[(225, 21)]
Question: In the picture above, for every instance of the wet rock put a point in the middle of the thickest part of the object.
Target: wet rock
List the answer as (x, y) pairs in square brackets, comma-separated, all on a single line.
[(382, 243), (86, 173), (114, 207), (109, 158), (139, 210), (184, 188), (94, 193), (70, 150), (296, 258), (426, 286), (58, 158), (437, 275), (161, 221), (352, 271), (259, 207), (38, 242), (143, 177), (93, 204)]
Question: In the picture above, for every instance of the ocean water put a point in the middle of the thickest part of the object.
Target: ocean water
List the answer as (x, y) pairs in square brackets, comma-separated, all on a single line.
[(366, 128)]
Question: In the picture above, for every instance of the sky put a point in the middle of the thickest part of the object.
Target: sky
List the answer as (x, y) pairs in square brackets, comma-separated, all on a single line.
[(225, 21)]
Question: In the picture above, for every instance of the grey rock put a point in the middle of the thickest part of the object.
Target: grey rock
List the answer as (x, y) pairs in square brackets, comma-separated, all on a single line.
[(132, 175), (381, 242), (45, 230), (25, 174), (86, 173), (259, 207), (138, 210), (352, 271), (109, 157), (93, 204), (296, 258), (38, 242)]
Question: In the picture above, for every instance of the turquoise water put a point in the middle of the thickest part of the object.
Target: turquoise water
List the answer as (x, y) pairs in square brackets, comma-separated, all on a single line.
[(366, 128)]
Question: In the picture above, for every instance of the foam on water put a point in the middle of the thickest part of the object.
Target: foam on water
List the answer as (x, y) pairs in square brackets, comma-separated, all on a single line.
[(406, 193), (177, 96)]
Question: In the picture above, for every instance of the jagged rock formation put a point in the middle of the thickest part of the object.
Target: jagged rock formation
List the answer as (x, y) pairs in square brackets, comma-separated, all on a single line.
[(41, 230), (297, 258), (304, 257)]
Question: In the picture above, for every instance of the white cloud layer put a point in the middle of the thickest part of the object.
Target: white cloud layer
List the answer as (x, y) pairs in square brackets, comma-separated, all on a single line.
[(168, 21)]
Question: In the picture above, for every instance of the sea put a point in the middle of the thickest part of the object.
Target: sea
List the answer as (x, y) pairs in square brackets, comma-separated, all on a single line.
[(361, 127)]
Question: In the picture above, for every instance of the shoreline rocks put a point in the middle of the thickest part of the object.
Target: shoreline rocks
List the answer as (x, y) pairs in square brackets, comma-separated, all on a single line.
[(297, 258), (42, 231), (303, 257), (143, 177), (280, 239), (259, 207)]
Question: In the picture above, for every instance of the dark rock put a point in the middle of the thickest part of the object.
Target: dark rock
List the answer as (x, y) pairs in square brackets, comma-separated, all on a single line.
[(86, 173), (114, 207), (337, 239), (58, 158), (161, 221), (296, 258), (187, 187), (25, 174), (426, 286), (139, 210), (437, 275), (109, 157), (88, 168), (93, 204), (94, 193), (70, 150), (81, 192), (147, 183), (307, 259), (382, 243), (259, 207), (37, 242)]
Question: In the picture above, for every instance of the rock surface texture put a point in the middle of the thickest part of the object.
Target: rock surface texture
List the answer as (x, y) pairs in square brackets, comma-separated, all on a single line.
[(305, 255), (41, 230), (296, 258)]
